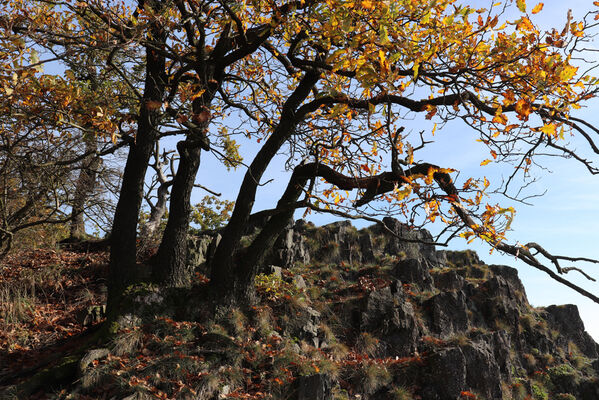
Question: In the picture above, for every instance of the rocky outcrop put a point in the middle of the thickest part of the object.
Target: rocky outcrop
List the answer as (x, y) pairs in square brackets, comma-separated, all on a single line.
[(456, 328), (567, 321)]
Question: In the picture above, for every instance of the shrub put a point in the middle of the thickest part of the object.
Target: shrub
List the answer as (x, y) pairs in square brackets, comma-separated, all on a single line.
[(539, 392)]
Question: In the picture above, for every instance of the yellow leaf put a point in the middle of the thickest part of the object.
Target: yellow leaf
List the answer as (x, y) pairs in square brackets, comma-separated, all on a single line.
[(415, 68), (499, 119), (485, 162), (537, 8), (521, 5), (567, 73), (548, 129)]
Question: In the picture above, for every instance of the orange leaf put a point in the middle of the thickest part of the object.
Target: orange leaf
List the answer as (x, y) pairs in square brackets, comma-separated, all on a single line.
[(523, 109), (537, 8), (485, 162)]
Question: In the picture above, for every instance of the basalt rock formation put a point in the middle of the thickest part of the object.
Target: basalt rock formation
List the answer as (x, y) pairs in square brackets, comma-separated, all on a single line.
[(452, 326)]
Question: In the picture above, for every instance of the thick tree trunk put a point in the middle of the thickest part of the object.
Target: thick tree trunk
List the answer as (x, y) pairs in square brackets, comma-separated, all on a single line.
[(170, 267), (124, 229), (225, 280), (84, 187), (254, 256)]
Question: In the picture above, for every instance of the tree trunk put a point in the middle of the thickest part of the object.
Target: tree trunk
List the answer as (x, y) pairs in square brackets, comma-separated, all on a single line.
[(225, 280), (170, 267), (264, 242), (84, 187), (158, 209), (124, 229)]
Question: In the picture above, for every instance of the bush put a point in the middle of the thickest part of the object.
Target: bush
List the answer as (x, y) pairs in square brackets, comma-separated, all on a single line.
[(539, 392)]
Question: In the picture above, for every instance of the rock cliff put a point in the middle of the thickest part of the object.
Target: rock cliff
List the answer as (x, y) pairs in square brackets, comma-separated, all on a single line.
[(448, 325)]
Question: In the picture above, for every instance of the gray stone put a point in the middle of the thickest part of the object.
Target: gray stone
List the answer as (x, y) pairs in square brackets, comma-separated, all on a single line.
[(304, 324), (496, 300), (200, 250), (482, 371), (448, 281), (92, 315), (462, 258), (388, 315), (366, 247), (299, 282), (197, 249), (511, 276), (273, 270), (91, 356), (416, 246), (446, 377), (290, 247), (567, 320), (448, 313), (413, 271), (314, 387)]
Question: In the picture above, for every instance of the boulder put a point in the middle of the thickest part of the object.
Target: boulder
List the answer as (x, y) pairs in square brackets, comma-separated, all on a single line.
[(482, 370), (448, 313), (416, 246), (413, 271), (511, 276), (567, 320), (495, 301), (290, 247), (445, 377), (388, 315), (314, 387), (448, 281)]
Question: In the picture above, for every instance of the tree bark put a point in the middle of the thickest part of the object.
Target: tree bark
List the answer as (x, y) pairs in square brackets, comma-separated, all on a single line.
[(225, 280), (124, 229), (84, 187), (158, 209), (170, 267), (264, 242)]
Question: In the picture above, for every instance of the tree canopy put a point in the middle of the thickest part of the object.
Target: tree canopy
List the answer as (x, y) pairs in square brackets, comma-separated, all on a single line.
[(326, 84)]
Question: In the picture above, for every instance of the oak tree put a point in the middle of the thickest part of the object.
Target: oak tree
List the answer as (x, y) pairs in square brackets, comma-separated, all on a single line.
[(329, 84)]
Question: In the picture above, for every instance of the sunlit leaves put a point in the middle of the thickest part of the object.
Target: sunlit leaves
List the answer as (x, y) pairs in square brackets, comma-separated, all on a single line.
[(523, 108), (549, 129), (567, 73)]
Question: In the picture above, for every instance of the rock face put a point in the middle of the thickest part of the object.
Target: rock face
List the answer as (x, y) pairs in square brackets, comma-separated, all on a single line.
[(453, 327)]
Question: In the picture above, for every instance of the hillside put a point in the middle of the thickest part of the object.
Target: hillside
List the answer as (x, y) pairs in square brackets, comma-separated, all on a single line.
[(342, 314)]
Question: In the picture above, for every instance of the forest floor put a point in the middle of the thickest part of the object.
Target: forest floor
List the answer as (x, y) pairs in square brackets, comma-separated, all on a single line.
[(44, 297)]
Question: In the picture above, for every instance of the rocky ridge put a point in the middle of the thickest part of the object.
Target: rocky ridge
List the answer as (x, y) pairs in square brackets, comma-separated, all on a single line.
[(458, 328)]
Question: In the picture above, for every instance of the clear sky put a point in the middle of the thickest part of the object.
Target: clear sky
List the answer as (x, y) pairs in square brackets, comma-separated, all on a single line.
[(564, 221)]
